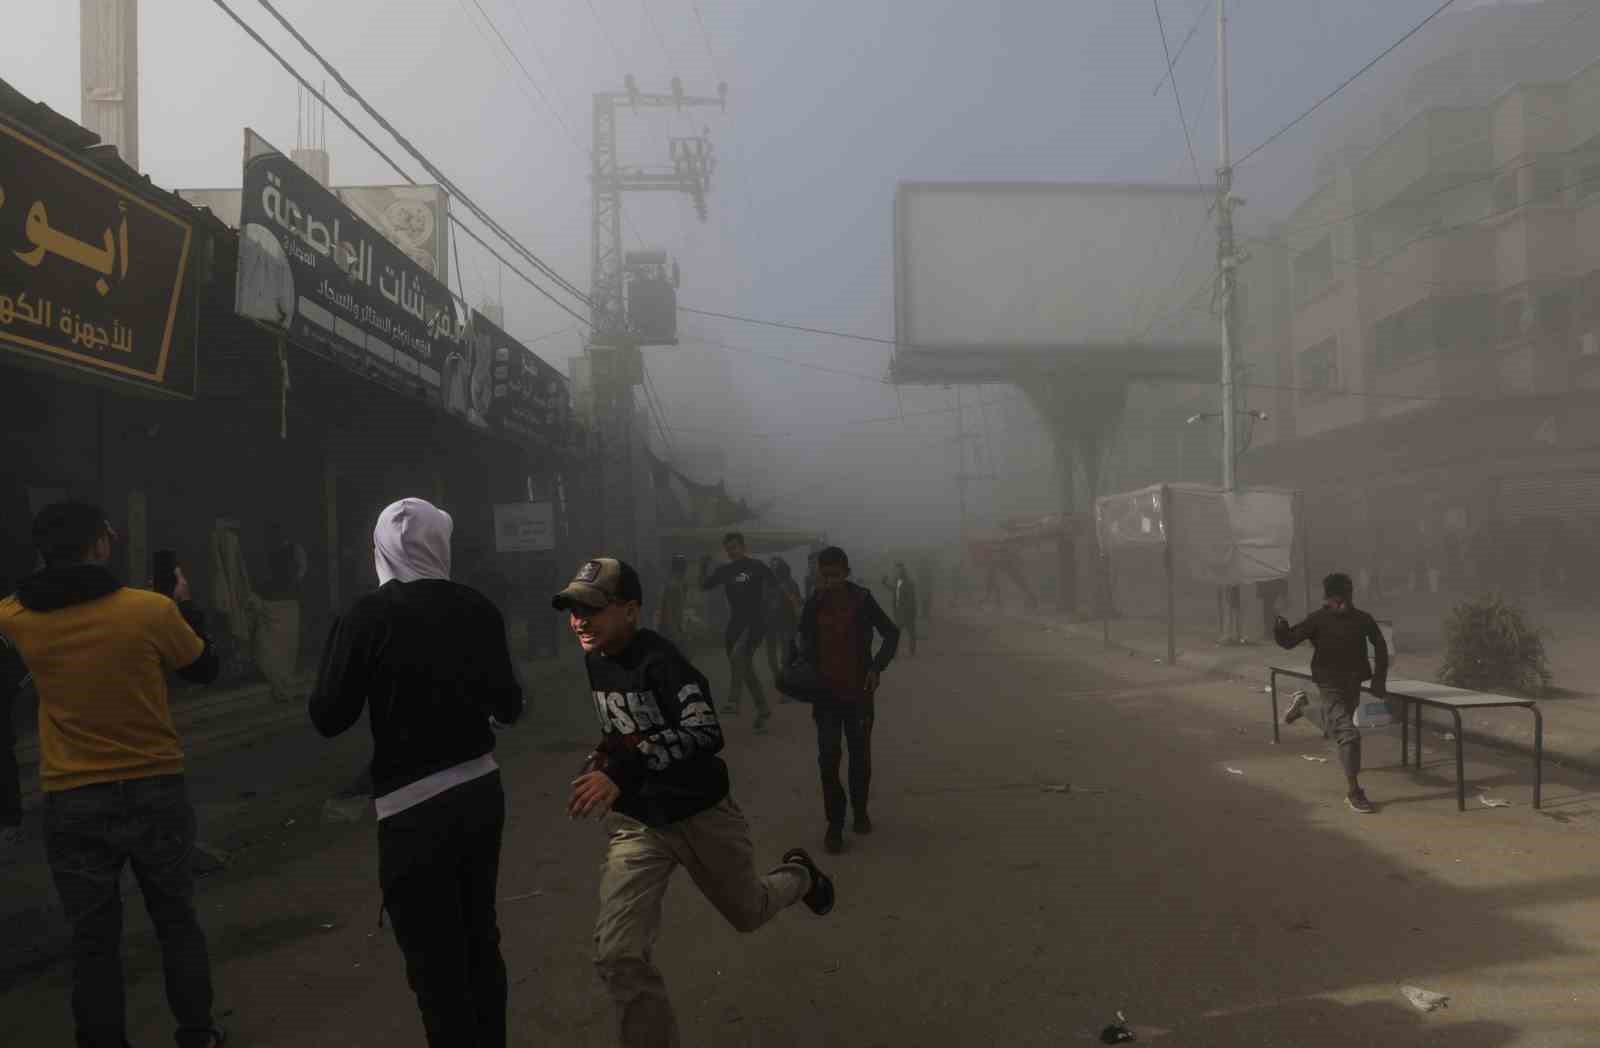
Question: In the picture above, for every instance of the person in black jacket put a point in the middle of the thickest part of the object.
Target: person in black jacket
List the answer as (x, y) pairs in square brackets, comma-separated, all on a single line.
[(1340, 633), (747, 583), (656, 780), (836, 627), (428, 657)]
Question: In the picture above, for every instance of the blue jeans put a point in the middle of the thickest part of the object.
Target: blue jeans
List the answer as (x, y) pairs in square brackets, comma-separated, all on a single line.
[(90, 834)]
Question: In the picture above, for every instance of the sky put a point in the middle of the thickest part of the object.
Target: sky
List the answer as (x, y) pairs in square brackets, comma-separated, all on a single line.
[(830, 105)]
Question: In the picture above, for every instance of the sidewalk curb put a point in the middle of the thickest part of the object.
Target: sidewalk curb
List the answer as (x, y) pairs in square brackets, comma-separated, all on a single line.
[(1221, 666)]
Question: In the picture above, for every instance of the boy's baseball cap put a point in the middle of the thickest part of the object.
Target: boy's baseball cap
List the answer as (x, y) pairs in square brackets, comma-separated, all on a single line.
[(598, 583)]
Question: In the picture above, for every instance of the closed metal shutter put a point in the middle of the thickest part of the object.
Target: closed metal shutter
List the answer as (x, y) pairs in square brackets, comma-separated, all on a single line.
[(1564, 496)]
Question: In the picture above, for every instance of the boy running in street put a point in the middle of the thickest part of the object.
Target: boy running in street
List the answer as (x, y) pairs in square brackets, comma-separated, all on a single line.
[(1339, 631), (664, 795)]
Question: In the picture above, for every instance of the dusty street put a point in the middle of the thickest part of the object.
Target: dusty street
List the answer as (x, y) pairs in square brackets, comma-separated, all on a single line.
[(1212, 908)]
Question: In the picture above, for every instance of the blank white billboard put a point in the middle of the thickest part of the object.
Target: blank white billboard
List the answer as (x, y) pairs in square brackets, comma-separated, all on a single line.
[(1040, 268)]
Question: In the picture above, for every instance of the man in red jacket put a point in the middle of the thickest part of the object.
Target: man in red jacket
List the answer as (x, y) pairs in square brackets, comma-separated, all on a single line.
[(836, 626)]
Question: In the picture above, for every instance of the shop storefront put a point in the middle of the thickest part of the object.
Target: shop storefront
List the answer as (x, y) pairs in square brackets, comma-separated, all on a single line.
[(229, 439)]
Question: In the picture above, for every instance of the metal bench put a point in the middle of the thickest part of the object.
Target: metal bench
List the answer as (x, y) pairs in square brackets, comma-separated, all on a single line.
[(1412, 696)]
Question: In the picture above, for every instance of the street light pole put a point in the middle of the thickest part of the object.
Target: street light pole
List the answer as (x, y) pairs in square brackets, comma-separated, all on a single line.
[(1227, 261)]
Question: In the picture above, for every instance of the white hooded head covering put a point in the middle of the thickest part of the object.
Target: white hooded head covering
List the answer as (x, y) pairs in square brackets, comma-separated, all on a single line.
[(412, 541)]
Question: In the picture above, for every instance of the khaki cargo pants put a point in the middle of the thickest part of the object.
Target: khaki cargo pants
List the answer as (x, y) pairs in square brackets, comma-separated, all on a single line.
[(714, 846)]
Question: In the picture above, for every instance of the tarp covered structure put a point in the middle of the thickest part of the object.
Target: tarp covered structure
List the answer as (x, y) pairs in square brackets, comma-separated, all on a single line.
[(1204, 534), (1217, 537)]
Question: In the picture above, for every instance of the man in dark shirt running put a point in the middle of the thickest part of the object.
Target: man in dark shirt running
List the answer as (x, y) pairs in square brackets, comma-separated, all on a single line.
[(746, 583), (1340, 632), (656, 780)]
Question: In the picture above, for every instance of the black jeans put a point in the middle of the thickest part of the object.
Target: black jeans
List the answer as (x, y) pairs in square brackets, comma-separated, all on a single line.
[(852, 720), (90, 833), (439, 866), (10, 774)]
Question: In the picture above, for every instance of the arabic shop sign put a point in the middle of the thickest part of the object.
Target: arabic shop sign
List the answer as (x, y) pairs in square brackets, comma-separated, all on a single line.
[(496, 383), (90, 274), (309, 266)]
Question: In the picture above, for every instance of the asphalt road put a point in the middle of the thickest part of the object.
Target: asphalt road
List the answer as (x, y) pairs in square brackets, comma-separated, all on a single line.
[(1211, 907)]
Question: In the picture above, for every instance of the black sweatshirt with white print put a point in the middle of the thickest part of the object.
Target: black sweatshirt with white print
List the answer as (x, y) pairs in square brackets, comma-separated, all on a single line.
[(660, 734)]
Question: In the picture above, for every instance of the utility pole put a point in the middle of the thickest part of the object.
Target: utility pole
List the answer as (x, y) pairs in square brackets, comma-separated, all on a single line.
[(109, 48), (693, 160), (614, 344), (961, 469), (1227, 262)]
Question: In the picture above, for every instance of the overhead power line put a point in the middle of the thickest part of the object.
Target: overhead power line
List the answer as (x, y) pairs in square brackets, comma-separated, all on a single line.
[(1352, 78), (370, 144), (705, 36), (555, 111), (1177, 96), (1177, 55), (422, 159), (719, 344), (794, 327)]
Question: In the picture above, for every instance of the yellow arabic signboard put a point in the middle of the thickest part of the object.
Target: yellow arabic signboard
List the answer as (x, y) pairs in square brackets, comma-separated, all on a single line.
[(90, 274)]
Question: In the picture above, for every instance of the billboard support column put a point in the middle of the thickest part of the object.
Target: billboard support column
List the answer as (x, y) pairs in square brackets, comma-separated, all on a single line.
[(1166, 564)]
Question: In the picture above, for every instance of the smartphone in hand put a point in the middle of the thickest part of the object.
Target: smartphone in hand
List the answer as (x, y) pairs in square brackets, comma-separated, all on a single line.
[(164, 571)]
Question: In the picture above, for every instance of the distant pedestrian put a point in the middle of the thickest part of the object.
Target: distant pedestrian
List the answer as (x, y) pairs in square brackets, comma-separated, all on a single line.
[(656, 780), (1340, 633), (837, 627), (276, 640), (1273, 593), (674, 600), (111, 765), (428, 656), (783, 616), (903, 603), (746, 582)]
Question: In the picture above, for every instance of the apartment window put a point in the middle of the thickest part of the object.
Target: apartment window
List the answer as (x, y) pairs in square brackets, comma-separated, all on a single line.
[(1555, 313), (1464, 324), (1516, 318), (1404, 335), (1319, 369), (1549, 184), (1313, 269), (1588, 183)]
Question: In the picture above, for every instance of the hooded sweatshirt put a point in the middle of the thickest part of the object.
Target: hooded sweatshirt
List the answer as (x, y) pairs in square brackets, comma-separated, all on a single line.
[(1340, 636), (428, 656), (99, 654)]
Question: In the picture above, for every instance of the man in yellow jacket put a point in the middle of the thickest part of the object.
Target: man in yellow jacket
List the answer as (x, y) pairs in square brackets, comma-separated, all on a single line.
[(111, 766)]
